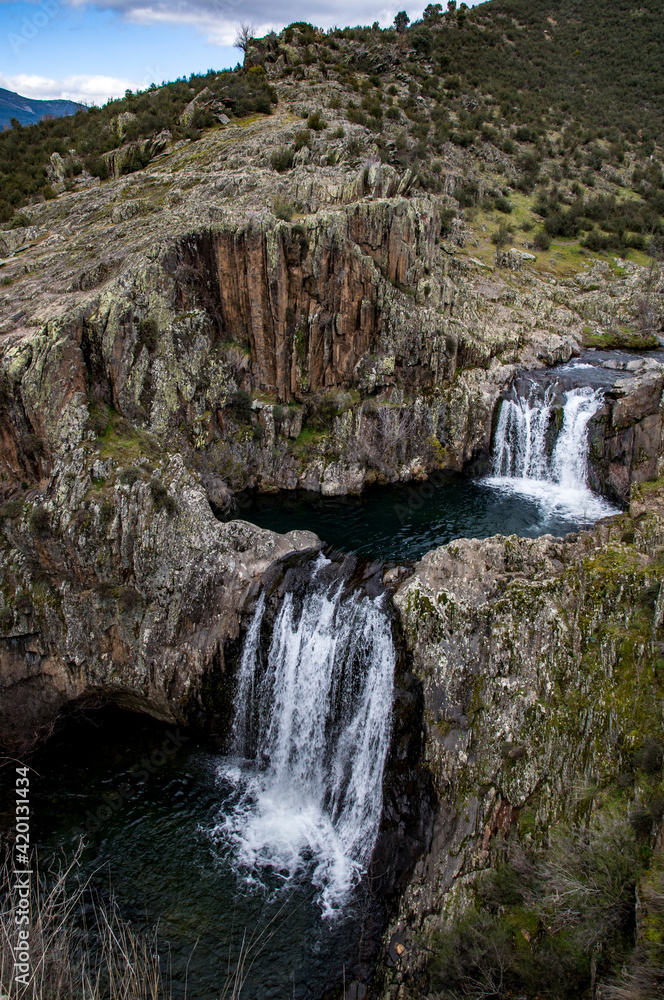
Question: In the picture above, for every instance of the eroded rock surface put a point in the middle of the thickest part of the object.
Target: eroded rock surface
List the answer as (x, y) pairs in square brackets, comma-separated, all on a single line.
[(126, 587), (540, 662)]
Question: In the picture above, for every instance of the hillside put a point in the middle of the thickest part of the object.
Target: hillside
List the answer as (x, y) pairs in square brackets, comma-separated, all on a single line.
[(28, 111), (565, 96), (335, 268)]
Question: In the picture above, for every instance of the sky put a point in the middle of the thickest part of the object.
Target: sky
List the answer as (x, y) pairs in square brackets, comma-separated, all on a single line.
[(90, 52)]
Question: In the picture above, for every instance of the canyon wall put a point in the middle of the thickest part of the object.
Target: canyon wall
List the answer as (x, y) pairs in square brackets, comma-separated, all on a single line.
[(542, 670)]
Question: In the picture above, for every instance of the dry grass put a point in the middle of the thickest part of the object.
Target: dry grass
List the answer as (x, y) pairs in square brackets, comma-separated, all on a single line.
[(79, 946)]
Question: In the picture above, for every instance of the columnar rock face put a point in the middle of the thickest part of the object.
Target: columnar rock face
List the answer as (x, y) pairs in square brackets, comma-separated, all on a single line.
[(313, 301), (541, 668)]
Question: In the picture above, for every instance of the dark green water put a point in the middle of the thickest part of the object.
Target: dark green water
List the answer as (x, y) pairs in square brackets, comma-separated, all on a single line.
[(398, 523), (149, 808)]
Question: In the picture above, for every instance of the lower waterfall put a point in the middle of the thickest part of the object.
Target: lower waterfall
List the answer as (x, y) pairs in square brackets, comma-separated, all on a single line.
[(312, 727), (541, 448)]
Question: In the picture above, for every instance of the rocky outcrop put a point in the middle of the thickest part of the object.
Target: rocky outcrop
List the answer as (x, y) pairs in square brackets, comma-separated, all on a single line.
[(120, 583), (541, 668), (626, 435)]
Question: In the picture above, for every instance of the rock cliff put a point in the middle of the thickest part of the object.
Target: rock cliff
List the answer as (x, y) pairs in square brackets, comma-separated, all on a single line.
[(541, 664)]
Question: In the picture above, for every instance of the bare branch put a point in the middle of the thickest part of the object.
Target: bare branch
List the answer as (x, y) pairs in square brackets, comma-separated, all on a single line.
[(243, 36)]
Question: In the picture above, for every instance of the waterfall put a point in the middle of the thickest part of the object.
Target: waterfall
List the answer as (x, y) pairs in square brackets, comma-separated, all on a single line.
[(541, 448), (311, 733), (523, 436)]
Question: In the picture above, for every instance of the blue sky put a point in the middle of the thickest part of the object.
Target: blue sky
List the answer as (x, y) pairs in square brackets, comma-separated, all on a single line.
[(90, 52)]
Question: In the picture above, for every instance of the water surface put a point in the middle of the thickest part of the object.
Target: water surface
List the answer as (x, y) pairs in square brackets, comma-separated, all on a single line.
[(152, 822), (398, 523)]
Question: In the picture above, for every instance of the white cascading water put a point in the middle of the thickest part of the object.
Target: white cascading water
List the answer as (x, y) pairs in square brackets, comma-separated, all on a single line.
[(525, 460), (312, 729)]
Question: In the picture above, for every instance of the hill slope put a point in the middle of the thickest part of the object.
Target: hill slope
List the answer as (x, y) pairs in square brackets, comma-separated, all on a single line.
[(29, 111)]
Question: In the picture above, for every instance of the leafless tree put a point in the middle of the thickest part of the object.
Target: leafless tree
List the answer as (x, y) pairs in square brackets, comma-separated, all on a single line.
[(243, 36)]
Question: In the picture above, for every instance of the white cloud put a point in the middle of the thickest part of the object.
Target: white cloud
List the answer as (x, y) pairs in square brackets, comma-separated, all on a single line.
[(85, 89), (218, 19)]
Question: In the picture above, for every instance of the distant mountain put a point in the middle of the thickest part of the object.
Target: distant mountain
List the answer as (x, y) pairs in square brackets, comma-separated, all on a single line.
[(29, 111)]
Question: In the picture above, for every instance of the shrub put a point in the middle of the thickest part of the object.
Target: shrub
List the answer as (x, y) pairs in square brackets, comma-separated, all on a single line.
[(650, 756), (129, 599), (503, 205), (463, 139), (32, 445), (322, 411), (11, 509), (576, 902), (301, 139), (40, 521), (20, 220), (98, 422), (283, 209), (130, 476), (148, 334), (315, 122), (355, 148), (161, 498), (240, 406), (542, 240), (97, 166), (23, 604), (6, 618), (502, 235), (282, 159), (466, 193)]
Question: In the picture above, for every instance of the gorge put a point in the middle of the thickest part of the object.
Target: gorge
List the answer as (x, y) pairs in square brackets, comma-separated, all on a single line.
[(333, 530)]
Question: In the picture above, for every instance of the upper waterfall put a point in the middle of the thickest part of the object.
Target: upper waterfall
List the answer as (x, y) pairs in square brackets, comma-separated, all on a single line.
[(541, 447), (311, 734)]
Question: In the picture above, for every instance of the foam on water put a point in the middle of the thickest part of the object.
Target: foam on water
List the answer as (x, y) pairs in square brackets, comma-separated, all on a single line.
[(311, 733)]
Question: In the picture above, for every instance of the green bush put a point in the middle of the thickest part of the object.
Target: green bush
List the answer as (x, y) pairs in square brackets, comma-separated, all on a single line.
[(239, 405), (503, 205), (501, 236), (20, 220), (283, 209), (282, 159), (301, 139), (322, 410), (542, 240), (316, 122), (546, 921), (161, 498)]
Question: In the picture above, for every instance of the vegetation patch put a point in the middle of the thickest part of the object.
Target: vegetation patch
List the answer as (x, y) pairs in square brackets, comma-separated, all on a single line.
[(619, 339)]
